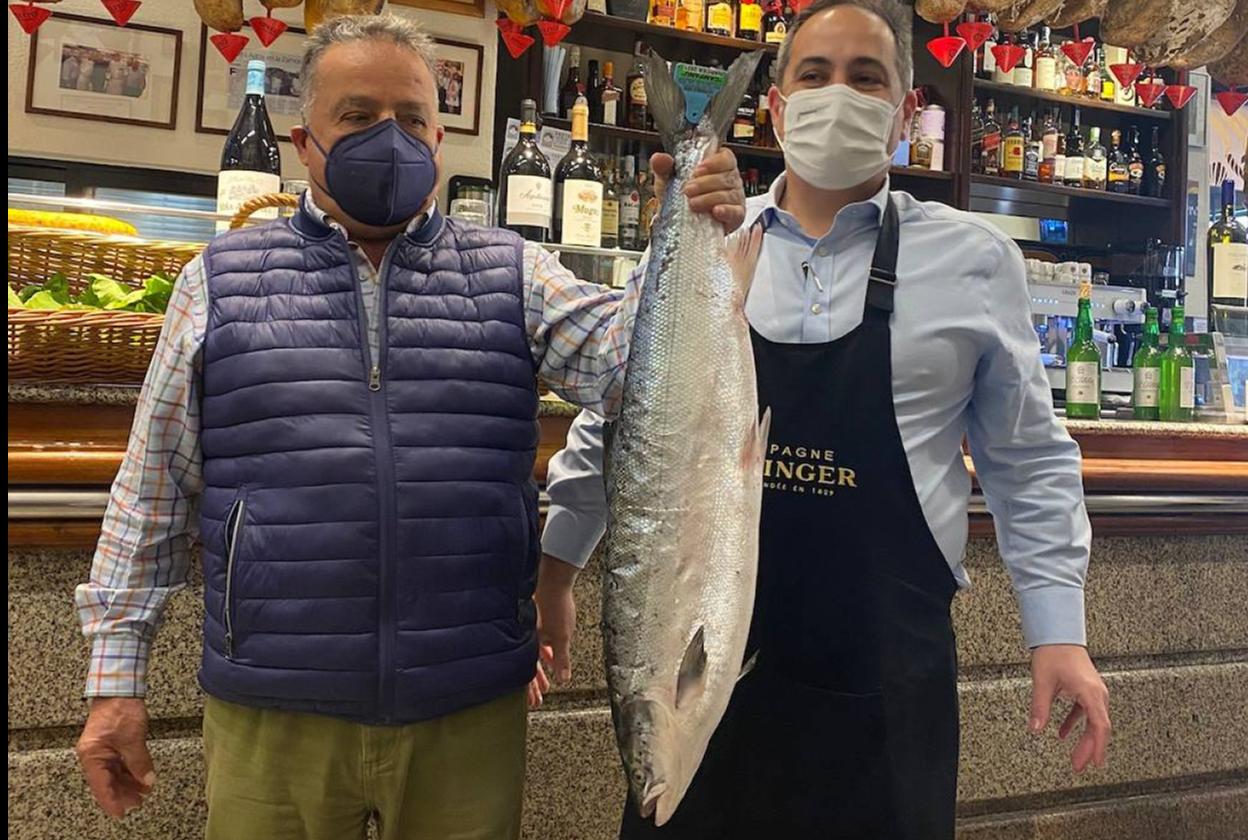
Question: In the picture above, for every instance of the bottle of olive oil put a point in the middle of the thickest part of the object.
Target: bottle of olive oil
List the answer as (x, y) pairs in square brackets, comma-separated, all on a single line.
[(1083, 364)]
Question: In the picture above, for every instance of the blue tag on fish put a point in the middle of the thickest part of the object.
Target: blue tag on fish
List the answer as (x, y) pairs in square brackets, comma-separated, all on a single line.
[(698, 84)]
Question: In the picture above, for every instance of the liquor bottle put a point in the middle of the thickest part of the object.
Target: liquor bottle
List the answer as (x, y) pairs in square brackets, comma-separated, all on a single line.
[(992, 142), (763, 136), (743, 123), (1118, 175), (719, 18), (649, 206), (251, 163), (1178, 375), (630, 205), (662, 13), (1228, 269), (749, 20), (1146, 370), (1155, 171), (690, 15), (1046, 62), (1095, 163), (610, 209), (998, 75), (1032, 152), (1109, 84), (1135, 164), (524, 196), (1073, 176), (1072, 83), (1083, 364), (987, 62), (774, 25), (593, 92), (1047, 171), (578, 187), (1013, 148), (1059, 159), (1024, 74), (572, 86), (977, 139), (1092, 76), (608, 97), (635, 92)]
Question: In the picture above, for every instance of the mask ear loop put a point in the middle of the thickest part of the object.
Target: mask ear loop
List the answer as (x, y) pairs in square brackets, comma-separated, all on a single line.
[(325, 155)]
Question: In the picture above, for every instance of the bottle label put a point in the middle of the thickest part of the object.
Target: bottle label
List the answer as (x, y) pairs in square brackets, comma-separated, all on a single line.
[(743, 131), (1094, 170), (1230, 271), (1013, 161), (663, 13), (1022, 76), (630, 210), (751, 17), (1187, 387), (1083, 383), (609, 116), (611, 219), (637, 91), (777, 33), (689, 15), (1046, 73), (989, 58), (1002, 77), (1049, 148), (1146, 390), (719, 17), (582, 213), (1074, 168), (528, 200), (235, 186)]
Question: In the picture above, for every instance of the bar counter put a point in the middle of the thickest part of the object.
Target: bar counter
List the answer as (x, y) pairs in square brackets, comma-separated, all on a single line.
[(1166, 621)]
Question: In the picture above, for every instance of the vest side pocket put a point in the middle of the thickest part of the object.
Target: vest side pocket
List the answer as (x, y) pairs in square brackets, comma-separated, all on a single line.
[(234, 523)]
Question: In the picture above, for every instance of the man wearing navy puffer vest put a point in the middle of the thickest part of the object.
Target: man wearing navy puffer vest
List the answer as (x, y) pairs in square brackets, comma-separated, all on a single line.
[(342, 408)]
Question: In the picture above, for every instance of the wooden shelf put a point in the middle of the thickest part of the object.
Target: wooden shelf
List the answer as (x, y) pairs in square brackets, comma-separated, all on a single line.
[(925, 174), (1073, 192), (652, 33), (618, 132), (1084, 103)]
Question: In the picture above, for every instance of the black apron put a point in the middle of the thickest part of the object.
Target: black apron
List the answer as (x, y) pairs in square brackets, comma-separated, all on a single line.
[(847, 727)]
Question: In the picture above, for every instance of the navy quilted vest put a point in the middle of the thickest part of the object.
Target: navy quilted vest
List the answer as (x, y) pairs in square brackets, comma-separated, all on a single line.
[(369, 549)]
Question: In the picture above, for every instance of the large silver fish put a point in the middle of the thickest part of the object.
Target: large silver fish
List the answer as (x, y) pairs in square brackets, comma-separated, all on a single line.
[(684, 475)]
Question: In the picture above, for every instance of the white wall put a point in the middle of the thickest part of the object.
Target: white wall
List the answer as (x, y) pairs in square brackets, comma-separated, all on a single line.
[(36, 135)]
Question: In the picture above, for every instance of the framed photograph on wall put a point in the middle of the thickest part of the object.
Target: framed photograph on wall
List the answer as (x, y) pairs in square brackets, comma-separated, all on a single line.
[(221, 86), (93, 69), (457, 71), (472, 8), (1198, 110)]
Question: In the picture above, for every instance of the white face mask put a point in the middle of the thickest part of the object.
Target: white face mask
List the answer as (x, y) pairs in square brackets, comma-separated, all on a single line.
[(836, 137)]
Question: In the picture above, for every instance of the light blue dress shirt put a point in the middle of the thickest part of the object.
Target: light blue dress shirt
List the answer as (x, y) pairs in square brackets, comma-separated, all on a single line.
[(965, 364)]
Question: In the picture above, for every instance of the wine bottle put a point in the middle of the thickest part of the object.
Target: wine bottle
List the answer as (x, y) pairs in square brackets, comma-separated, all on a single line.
[(572, 85), (578, 187), (630, 205), (251, 163), (525, 195), (1155, 172), (610, 209), (1228, 269), (638, 117), (1178, 375), (1146, 371), (1073, 176), (1083, 364)]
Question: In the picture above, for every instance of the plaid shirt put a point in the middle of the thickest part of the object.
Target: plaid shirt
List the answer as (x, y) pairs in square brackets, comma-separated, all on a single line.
[(578, 333)]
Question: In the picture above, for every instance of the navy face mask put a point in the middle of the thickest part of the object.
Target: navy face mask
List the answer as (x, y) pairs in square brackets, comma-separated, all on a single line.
[(380, 176)]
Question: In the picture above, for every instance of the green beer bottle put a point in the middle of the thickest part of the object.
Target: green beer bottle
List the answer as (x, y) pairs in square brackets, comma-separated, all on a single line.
[(1083, 365), (1178, 375), (1146, 366)]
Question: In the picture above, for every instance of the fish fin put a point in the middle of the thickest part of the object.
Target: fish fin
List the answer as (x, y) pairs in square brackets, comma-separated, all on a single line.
[(650, 798), (748, 666), (665, 100), (742, 251), (692, 677), (756, 451), (722, 109)]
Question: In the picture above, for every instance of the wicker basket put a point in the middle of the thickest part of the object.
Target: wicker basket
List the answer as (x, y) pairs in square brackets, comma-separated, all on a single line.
[(93, 346)]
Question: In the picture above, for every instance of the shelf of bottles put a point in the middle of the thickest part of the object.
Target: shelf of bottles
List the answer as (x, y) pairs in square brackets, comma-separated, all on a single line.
[(728, 19)]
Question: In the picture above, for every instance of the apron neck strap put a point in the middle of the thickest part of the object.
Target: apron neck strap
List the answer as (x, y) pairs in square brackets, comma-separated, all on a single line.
[(883, 276)]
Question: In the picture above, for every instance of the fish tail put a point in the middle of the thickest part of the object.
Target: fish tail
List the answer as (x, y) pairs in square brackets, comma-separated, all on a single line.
[(722, 109), (665, 100)]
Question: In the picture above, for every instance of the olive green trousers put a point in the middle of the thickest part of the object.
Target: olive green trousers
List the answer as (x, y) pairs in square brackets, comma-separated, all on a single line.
[(275, 775)]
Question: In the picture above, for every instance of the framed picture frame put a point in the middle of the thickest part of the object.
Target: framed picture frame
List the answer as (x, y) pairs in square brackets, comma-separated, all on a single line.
[(1198, 110), (457, 73), (221, 87), (471, 8), (92, 69)]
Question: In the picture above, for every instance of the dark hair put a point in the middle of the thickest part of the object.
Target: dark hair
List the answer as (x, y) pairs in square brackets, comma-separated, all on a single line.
[(896, 15)]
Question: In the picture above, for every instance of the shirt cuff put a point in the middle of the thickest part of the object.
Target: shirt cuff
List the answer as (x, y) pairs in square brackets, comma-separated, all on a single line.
[(1053, 615), (118, 666), (571, 536)]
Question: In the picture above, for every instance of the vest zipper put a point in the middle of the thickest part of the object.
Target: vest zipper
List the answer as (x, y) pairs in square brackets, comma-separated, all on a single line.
[(383, 453), (233, 527)]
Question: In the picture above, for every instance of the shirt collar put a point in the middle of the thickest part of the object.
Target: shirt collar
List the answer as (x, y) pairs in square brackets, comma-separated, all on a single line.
[(413, 227), (871, 210)]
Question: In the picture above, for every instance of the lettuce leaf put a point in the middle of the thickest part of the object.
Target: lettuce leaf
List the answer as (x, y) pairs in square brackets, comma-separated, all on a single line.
[(15, 301)]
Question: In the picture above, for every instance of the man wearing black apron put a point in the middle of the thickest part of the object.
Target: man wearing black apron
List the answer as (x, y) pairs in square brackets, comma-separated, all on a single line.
[(847, 726)]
